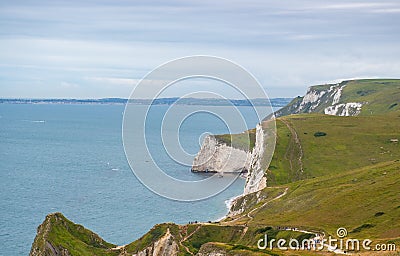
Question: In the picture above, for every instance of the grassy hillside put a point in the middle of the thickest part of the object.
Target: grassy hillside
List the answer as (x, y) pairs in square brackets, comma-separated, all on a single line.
[(349, 143), (366, 197), (382, 95), (378, 96), (58, 235)]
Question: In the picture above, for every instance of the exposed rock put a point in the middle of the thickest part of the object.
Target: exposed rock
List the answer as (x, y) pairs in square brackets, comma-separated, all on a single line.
[(344, 109), (215, 156), (240, 204), (165, 246), (41, 245), (325, 99), (210, 249), (56, 225), (256, 180)]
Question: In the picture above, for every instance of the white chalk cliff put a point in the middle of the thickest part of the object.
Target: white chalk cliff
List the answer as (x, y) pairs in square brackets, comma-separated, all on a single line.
[(256, 180), (215, 156), (165, 246), (325, 99)]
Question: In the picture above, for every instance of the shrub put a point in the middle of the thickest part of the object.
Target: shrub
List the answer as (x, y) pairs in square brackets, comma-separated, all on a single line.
[(319, 134), (362, 227)]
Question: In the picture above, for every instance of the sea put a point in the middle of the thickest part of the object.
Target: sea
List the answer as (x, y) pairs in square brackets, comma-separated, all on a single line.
[(70, 158)]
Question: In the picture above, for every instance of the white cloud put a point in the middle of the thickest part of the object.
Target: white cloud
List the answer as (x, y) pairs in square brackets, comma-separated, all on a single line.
[(387, 10), (114, 81), (355, 5)]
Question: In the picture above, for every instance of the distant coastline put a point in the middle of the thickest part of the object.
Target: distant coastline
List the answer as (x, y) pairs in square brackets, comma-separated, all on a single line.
[(275, 102)]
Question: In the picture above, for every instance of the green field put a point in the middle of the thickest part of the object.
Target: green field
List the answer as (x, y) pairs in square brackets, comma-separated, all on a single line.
[(350, 142)]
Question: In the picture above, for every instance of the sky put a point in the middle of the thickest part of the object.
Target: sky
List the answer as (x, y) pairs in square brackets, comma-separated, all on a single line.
[(98, 49)]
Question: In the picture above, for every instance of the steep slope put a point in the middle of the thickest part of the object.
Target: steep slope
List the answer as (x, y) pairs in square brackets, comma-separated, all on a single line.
[(348, 98), (59, 236)]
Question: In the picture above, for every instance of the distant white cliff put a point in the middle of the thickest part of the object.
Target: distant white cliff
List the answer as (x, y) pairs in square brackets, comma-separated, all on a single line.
[(325, 99), (344, 109)]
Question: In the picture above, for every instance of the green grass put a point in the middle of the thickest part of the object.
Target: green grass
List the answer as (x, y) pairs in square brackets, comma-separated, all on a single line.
[(377, 95), (382, 95), (153, 235), (64, 234), (245, 140), (234, 250), (213, 233), (349, 199), (350, 142), (253, 200)]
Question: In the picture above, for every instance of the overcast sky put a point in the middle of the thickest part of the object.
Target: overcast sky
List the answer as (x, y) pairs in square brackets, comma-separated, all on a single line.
[(95, 49)]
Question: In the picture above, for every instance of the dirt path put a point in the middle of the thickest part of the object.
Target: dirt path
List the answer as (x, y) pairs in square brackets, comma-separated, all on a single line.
[(248, 215), (191, 234), (291, 150), (186, 248), (264, 204), (187, 237)]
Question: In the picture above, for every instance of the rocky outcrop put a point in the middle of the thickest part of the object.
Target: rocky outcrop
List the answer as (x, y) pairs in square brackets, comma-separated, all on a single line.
[(54, 226), (256, 180), (344, 109), (325, 99), (216, 156), (42, 245), (211, 249), (165, 246)]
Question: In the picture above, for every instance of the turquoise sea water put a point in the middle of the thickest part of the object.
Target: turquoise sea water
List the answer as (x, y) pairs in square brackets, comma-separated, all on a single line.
[(70, 158)]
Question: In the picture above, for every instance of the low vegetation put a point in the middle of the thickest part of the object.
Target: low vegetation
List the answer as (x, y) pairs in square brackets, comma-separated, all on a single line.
[(245, 140)]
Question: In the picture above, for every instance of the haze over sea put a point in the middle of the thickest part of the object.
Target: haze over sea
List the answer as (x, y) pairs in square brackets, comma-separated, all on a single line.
[(70, 159)]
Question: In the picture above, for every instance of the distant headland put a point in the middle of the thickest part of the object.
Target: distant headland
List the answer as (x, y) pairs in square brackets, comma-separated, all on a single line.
[(275, 102)]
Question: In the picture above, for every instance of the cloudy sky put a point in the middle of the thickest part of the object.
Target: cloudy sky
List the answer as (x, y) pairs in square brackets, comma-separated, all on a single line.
[(95, 49)]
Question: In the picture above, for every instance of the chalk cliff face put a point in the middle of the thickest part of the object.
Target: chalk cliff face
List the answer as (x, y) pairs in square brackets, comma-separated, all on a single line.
[(256, 180), (325, 99), (215, 156), (165, 246)]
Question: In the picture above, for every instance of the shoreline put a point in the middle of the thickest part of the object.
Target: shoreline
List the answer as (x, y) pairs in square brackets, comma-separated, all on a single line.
[(229, 202)]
